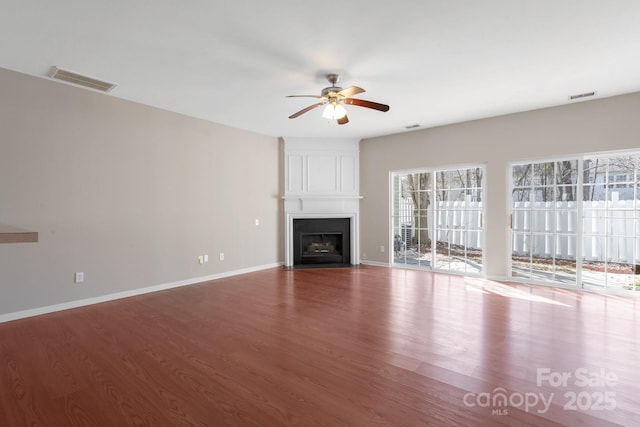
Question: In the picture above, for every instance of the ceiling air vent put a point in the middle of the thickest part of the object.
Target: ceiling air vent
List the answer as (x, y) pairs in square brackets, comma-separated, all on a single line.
[(81, 80), (412, 126), (582, 95)]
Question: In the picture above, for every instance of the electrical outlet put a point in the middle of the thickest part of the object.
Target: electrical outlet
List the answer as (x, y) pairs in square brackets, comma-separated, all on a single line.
[(200, 259), (257, 222), (79, 277), (382, 248), (221, 256), (206, 258)]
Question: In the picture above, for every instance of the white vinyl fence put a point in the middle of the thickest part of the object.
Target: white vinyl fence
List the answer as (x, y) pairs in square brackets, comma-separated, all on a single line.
[(458, 223), (546, 229), (609, 230)]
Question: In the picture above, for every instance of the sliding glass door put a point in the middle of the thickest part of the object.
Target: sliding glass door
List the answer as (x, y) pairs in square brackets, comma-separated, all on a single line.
[(544, 221), (611, 255), (577, 222), (437, 219), (458, 224), (412, 218)]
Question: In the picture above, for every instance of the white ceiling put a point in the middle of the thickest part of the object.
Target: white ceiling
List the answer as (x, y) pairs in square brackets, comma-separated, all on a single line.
[(233, 62)]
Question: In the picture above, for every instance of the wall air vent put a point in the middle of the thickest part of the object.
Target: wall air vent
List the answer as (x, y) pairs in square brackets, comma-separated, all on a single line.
[(81, 80), (582, 95)]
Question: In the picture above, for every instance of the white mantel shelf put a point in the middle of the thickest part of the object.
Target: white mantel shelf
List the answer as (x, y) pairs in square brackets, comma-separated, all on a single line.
[(9, 234)]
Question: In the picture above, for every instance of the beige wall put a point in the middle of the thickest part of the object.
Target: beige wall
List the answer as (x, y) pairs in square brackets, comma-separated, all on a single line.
[(131, 195), (593, 126), (128, 194)]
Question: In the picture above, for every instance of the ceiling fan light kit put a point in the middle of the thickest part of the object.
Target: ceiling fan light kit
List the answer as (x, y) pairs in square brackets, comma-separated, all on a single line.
[(334, 98), (334, 111)]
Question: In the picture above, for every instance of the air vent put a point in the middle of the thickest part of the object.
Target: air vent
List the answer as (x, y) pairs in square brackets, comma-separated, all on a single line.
[(582, 95), (81, 80), (412, 126)]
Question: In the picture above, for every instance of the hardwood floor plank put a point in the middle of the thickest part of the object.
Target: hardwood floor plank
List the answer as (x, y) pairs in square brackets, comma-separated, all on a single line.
[(324, 347)]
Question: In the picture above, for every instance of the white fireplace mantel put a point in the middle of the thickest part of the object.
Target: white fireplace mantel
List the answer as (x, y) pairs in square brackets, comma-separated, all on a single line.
[(321, 181), (321, 204)]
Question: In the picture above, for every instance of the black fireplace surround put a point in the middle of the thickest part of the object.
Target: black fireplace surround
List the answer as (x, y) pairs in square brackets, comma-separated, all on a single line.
[(321, 242)]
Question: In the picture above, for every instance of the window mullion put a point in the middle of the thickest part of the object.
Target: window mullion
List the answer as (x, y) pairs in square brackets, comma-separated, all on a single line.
[(432, 226), (580, 222)]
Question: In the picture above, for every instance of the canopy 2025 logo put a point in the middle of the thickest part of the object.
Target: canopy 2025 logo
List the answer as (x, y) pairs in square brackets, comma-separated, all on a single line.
[(592, 394)]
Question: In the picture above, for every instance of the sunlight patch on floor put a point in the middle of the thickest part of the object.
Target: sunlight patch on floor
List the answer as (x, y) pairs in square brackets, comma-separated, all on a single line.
[(489, 286)]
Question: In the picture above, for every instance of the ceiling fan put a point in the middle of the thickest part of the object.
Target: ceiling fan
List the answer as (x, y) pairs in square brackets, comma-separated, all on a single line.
[(333, 97)]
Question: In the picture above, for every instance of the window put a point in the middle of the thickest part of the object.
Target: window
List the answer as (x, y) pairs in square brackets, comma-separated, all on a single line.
[(437, 219)]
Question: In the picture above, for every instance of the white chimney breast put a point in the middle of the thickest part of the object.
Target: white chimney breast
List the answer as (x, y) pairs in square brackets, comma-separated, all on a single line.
[(322, 181)]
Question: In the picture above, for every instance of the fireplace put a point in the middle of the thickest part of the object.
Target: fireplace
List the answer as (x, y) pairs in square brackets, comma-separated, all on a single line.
[(321, 196), (321, 241)]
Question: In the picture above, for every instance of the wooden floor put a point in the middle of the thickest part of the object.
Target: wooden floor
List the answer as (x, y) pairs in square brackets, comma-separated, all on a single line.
[(328, 347)]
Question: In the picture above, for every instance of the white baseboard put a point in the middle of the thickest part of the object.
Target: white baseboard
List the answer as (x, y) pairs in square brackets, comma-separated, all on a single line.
[(110, 297), (376, 263)]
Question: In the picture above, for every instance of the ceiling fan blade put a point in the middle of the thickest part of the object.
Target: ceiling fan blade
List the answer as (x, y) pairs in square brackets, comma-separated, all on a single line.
[(350, 91), (368, 104), (303, 96), (304, 110), (343, 120)]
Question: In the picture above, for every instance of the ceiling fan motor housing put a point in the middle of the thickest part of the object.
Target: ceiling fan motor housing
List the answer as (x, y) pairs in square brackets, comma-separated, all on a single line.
[(333, 79), (327, 90)]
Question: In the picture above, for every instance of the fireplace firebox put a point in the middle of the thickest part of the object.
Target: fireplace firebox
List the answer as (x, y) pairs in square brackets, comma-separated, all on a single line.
[(321, 241)]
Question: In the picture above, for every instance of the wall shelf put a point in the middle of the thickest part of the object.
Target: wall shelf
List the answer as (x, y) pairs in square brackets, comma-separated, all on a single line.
[(9, 234)]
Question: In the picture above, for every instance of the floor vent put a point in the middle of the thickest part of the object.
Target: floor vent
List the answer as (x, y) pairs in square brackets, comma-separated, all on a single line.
[(81, 80)]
